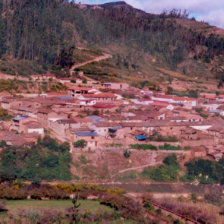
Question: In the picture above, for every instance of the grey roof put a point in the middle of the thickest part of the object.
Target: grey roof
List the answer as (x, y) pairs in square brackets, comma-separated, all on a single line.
[(116, 128), (95, 118), (91, 134)]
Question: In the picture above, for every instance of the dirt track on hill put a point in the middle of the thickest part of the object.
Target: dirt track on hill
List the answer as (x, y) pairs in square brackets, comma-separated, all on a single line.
[(96, 59), (6, 76)]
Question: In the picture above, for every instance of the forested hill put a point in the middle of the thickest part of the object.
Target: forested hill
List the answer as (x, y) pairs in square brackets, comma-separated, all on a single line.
[(42, 30)]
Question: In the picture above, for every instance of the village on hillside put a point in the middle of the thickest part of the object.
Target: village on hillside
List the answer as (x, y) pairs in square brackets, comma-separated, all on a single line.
[(98, 116)]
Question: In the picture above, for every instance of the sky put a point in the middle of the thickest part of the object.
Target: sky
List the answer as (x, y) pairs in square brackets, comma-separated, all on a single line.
[(211, 11)]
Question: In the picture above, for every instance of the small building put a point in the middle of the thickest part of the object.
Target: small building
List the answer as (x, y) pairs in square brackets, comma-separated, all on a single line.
[(88, 135), (77, 91), (102, 97), (19, 121), (115, 86), (33, 127)]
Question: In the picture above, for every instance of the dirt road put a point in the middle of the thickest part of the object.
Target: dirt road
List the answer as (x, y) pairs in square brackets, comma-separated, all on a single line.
[(6, 76), (96, 59)]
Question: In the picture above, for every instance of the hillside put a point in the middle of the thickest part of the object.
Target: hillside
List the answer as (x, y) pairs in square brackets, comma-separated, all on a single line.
[(45, 35)]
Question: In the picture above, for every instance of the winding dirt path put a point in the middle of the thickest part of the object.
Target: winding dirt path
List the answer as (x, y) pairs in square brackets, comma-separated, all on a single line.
[(7, 76), (96, 59), (140, 167)]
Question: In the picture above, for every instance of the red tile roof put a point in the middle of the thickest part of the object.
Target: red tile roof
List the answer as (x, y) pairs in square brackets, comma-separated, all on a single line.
[(100, 95), (79, 88), (103, 106)]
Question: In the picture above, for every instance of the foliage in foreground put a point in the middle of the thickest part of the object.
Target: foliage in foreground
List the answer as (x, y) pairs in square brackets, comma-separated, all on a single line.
[(46, 160), (206, 171), (166, 172)]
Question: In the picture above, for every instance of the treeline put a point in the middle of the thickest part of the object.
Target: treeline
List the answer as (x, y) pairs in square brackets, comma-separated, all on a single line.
[(46, 160), (201, 171), (45, 31)]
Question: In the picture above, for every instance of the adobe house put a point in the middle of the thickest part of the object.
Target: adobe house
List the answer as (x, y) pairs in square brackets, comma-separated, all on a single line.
[(199, 152), (44, 115), (102, 107), (33, 127), (77, 91), (31, 112), (61, 126), (90, 136), (7, 103), (18, 139), (107, 129), (19, 121), (101, 97), (115, 86), (185, 101)]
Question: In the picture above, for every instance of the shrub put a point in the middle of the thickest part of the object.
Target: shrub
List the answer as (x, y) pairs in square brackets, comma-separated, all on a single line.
[(84, 81), (169, 147), (80, 143), (167, 172), (127, 153), (129, 208), (83, 159), (205, 171), (191, 212), (11, 193), (149, 206), (143, 146), (160, 138)]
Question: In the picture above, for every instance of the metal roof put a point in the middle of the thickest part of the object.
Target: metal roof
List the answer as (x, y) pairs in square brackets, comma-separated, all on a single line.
[(95, 118), (140, 137), (19, 118), (91, 134)]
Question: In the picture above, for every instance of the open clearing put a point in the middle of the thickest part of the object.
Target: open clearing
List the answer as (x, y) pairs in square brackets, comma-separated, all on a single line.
[(61, 205)]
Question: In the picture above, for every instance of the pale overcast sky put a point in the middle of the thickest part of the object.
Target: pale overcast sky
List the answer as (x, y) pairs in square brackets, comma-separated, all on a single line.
[(211, 11)]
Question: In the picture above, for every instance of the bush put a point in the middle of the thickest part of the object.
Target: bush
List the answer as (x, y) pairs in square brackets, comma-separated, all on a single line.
[(191, 212), (169, 147), (160, 138), (83, 159), (4, 115), (47, 191), (127, 153), (11, 193), (143, 146), (167, 172), (129, 208), (80, 143), (149, 206)]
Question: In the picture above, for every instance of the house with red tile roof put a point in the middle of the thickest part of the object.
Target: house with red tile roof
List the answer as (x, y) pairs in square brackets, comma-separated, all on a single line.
[(101, 97), (115, 86), (185, 101), (77, 91)]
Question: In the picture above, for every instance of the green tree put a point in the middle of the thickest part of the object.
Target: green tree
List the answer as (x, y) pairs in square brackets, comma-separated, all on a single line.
[(80, 143)]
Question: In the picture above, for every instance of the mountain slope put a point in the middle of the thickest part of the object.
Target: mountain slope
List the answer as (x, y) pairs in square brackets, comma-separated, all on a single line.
[(47, 31)]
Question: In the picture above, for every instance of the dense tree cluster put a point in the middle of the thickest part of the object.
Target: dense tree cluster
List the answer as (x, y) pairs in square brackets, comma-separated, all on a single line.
[(166, 172), (46, 31), (46, 160), (206, 171)]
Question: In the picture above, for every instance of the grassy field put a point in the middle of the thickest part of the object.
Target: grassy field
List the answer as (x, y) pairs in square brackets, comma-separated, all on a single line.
[(93, 206), (16, 206)]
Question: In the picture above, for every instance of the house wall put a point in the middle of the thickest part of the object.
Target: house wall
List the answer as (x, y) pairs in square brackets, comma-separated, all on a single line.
[(40, 131), (102, 131)]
